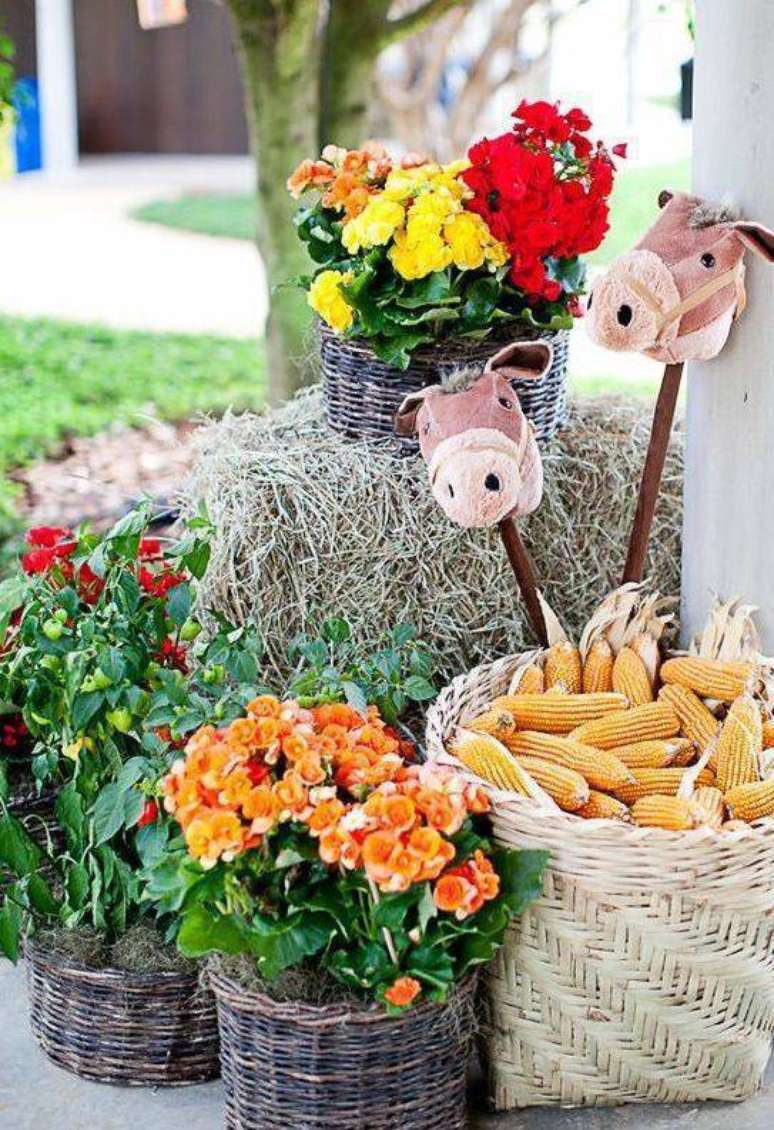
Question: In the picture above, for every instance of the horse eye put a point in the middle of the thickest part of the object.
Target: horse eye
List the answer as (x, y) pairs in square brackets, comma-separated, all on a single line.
[(708, 260), (426, 428), (589, 299), (505, 403)]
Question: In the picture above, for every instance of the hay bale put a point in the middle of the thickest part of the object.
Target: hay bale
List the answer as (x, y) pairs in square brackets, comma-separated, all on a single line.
[(310, 526)]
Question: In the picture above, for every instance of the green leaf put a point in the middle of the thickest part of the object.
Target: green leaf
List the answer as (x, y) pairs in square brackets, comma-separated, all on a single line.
[(18, 851), (431, 290), (202, 932), (432, 965), (419, 689), (151, 842), (396, 351), (335, 631), (521, 876), (5, 784), (85, 707), (355, 696), (403, 634), (480, 302), (41, 896), (391, 910), (280, 943), (10, 930), (179, 603), (78, 886), (115, 808)]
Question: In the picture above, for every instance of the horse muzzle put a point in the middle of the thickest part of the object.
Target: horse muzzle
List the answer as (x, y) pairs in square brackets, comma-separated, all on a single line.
[(476, 478)]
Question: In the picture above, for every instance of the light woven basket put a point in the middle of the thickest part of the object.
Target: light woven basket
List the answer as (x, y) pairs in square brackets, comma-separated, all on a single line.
[(645, 972)]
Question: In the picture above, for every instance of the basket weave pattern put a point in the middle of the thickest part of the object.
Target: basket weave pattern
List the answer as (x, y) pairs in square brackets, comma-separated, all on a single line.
[(286, 1064), (362, 393), (645, 973), (113, 1026)]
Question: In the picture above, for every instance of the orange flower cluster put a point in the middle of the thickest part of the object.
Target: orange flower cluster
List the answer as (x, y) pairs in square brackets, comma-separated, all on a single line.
[(348, 177), (348, 779)]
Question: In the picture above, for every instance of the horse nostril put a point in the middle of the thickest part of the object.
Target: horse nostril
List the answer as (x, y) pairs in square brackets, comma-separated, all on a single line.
[(624, 314), (491, 482), (451, 490)]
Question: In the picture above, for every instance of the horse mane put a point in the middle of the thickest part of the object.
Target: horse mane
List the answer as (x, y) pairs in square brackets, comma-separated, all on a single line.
[(461, 378), (706, 215)]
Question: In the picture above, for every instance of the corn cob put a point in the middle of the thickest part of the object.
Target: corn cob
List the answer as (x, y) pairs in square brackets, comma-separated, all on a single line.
[(498, 723), (601, 806), (598, 668), (488, 759), (650, 722), (558, 713), (768, 733), (601, 769), (563, 667), (697, 721), (656, 754), (740, 744), (528, 680), (709, 678), (707, 806), (664, 812), (568, 788), (630, 677), (663, 782), (751, 801)]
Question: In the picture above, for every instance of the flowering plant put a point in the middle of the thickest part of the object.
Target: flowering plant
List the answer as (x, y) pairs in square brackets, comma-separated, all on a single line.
[(313, 833), (414, 251)]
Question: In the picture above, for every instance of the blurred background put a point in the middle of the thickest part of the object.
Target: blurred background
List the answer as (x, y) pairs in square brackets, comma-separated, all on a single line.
[(132, 295)]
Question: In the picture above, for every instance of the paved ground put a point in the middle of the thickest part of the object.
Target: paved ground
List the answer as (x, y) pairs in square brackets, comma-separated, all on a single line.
[(34, 1095)]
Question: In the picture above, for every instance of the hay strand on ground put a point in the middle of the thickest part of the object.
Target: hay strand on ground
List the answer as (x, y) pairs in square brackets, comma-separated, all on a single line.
[(310, 525)]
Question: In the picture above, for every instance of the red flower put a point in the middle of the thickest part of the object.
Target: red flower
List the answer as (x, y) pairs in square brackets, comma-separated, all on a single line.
[(89, 584), (620, 149), (173, 655), (149, 815), (150, 549), (256, 770), (47, 537), (159, 584)]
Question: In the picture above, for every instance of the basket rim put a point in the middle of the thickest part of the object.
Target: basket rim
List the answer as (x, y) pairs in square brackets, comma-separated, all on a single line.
[(558, 821), (231, 992), (531, 333), (45, 955)]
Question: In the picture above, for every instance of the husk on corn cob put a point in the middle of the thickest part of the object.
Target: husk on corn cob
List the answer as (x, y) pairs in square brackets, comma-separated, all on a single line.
[(565, 786), (656, 754), (739, 745), (751, 801), (558, 713), (649, 722), (602, 806), (668, 812), (498, 723), (722, 680), (602, 769), (630, 677), (707, 806), (664, 782)]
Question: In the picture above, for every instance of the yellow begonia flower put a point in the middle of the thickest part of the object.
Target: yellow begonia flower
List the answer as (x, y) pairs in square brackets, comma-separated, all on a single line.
[(414, 261), (404, 183), (326, 299), (375, 225), (471, 242)]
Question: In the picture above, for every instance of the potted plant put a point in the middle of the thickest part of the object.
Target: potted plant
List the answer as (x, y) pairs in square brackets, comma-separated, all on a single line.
[(419, 266), (349, 894), (108, 669)]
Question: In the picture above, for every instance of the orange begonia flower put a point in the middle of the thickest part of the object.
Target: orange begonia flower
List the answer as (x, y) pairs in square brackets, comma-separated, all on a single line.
[(325, 816), (294, 746), (403, 991), (213, 835), (264, 706), (377, 854), (261, 808), (452, 892), (399, 813), (242, 731), (267, 731), (236, 788), (310, 769)]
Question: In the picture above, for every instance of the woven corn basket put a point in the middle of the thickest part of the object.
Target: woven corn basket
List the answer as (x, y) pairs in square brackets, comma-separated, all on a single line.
[(113, 1026), (286, 1064), (362, 394), (645, 973)]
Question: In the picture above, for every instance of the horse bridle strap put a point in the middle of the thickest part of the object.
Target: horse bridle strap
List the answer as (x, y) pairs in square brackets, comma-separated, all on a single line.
[(665, 318)]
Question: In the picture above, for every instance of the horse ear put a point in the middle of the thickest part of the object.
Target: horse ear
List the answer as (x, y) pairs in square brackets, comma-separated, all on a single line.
[(756, 238), (522, 360), (405, 421), (664, 197)]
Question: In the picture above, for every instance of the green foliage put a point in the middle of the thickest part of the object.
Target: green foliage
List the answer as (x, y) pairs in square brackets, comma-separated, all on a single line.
[(7, 76), (332, 668)]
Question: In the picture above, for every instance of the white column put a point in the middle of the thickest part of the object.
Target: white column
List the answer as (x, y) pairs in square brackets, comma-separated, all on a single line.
[(729, 475), (56, 80)]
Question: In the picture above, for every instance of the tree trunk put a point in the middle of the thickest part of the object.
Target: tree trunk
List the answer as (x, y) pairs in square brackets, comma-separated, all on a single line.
[(280, 60), (353, 40)]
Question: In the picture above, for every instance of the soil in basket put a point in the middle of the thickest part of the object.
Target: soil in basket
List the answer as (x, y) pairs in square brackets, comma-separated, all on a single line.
[(140, 950), (305, 984)]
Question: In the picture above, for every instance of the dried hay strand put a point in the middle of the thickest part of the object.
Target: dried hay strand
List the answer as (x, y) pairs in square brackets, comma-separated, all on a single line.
[(311, 525)]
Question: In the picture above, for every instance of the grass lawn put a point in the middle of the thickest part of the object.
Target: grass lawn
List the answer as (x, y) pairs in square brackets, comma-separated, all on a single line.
[(58, 379), (634, 207)]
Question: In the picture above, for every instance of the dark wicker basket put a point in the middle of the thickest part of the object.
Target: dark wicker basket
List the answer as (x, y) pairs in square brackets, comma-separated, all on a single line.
[(112, 1026), (362, 393), (286, 1064)]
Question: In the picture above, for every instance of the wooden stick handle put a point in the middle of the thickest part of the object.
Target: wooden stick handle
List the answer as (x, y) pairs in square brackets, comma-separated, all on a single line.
[(524, 572), (661, 429)]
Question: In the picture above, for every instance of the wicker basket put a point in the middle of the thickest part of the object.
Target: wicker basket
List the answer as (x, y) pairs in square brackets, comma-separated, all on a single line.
[(290, 1064), (362, 393), (112, 1026), (36, 812), (645, 973)]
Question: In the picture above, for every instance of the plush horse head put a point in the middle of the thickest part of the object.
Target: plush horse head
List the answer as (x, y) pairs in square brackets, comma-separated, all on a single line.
[(480, 449), (676, 294)]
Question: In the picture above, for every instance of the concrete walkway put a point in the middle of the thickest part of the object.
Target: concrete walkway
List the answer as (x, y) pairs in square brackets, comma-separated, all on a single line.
[(35, 1095), (70, 250)]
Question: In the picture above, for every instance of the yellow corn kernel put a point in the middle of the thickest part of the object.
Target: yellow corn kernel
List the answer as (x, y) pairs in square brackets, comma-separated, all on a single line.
[(528, 680), (739, 745), (563, 667), (598, 668), (645, 723), (569, 789), (630, 677), (490, 760), (558, 713), (663, 782), (601, 806), (668, 812), (768, 733), (498, 723), (751, 801), (601, 768), (709, 678), (656, 754), (707, 805), (697, 721)]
